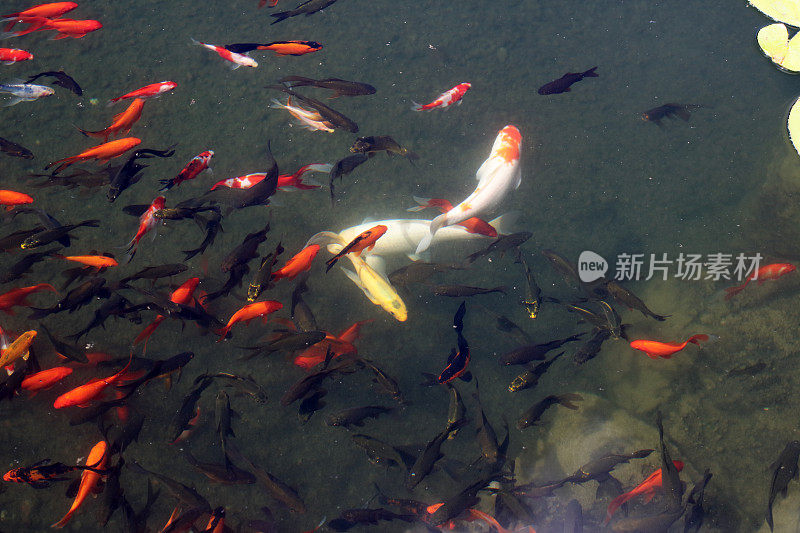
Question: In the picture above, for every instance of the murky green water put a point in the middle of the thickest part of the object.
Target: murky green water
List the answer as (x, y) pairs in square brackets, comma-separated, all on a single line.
[(595, 177)]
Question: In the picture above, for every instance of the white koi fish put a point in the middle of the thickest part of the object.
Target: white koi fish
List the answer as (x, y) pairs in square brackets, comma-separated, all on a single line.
[(310, 120), (25, 92), (496, 177), (402, 235)]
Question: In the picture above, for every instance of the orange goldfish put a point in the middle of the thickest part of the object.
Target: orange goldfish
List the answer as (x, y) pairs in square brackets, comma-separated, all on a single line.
[(182, 295), (19, 297), (767, 272), (83, 394), (102, 152), (297, 264), (646, 488), (10, 199), (89, 480), (45, 378), (248, 313), (122, 121), (338, 344), (656, 349)]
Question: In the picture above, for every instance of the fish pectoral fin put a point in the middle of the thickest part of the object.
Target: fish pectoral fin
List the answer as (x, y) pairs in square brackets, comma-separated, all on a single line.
[(355, 279)]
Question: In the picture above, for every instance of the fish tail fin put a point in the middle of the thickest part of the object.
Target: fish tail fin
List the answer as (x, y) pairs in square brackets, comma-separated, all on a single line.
[(697, 339), (330, 263), (505, 223), (591, 73), (280, 16), (436, 224), (615, 504), (422, 203), (97, 134), (147, 331), (223, 332), (324, 238), (730, 292), (415, 106), (167, 184)]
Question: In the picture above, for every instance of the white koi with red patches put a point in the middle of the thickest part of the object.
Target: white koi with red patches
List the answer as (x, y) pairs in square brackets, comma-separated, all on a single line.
[(238, 60), (496, 177), (446, 99)]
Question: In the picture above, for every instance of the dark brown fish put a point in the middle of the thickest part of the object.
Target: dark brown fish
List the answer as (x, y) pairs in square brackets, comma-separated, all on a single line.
[(186, 495), (328, 114), (78, 178), (592, 347), (311, 404), (463, 291), (429, 456), (492, 451), (381, 143), (246, 251), (74, 300), (12, 241), (62, 80), (14, 149), (156, 272), (307, 8), (20, 268), (188, 409), (213, 225), (564, 267), (245, 385), (130, 172), (602, 466), (502, 244), (340, 87), (784, 470), (533, 293), (50, 235), (531, 376), (355, 416), (380, 452), (261, 280), (626, 297), (534, 352), (226, 474), (343, 167), (302, 315), (386, 382), (417, 272), (69, 351), (749, 370), (562, 84), (682, 111), (277, 489), (648, 524), (311, 382), (289, 341), (532, 415), (349, 518)]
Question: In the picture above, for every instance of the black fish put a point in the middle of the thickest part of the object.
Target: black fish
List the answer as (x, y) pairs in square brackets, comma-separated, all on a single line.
[(262, 278), (302, 315), (463, 291), (532, 415), (352, 517), (492, 451), (306, 8), (459, 359), (502, 244), (186, 495), (430, 455), (534, 352), (48, 221), (50, 235), (14, 149), (562, 84), (784, 469), (212, 227), (116, 305), (12, 241), (226, 474), (533, 293), (381, 143), (695, 513), (75, 299), (180, 422), (626, 297), (69, 351), (246, 251), (356, 415), (289, 341), (671, 482), (573, 518), (311, 405), (62, 80), (591, 348), (235, 277), (258, 194), (343, 167), (531, 376), (600, 468), (564, 267), (682, 111), (245, 385), (340, 87), (380, 452), (129, 173), (21, 267), (156, 272), (277, 489)]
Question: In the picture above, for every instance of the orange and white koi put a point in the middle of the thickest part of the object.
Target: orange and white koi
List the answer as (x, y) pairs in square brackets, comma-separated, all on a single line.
[(665, 350), (238, 60), (9, 56), (765, 273), (197, 165), (446, 99), (285, 181), (308, 119), (102, 152), (248, 313), (297, 264), (473, 225), (122, 122), (496, 177), (147, 222), (11, 199), (97, 459), (154, 90), (19, 297)]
